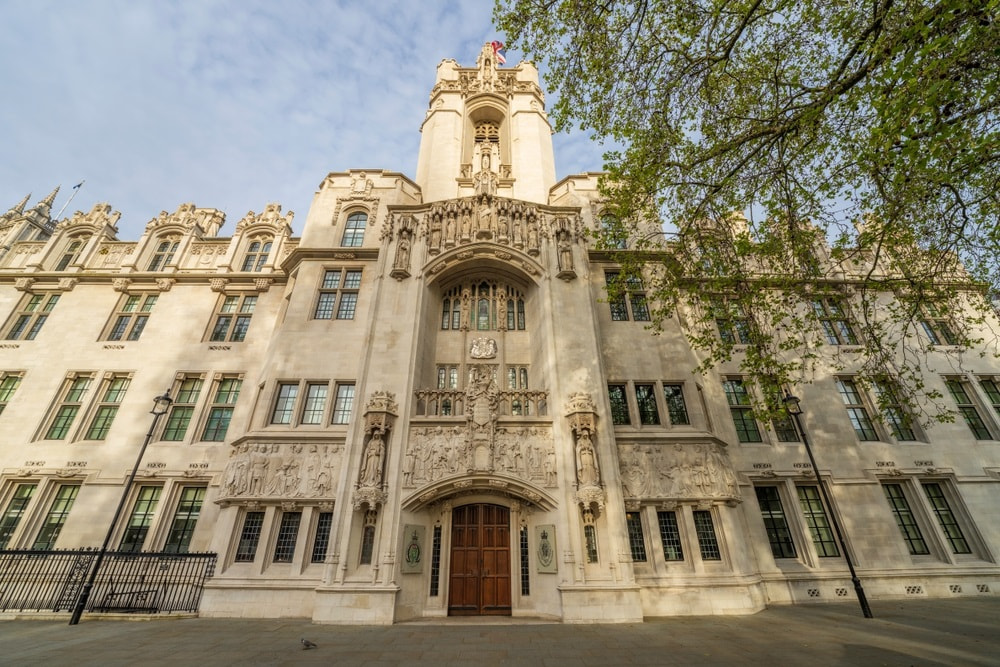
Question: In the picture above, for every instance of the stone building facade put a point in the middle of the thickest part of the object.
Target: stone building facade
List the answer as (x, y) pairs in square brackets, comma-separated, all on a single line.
[(426, 405)]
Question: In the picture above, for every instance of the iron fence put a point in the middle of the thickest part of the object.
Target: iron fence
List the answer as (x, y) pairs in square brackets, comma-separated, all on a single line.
[(141, 582)]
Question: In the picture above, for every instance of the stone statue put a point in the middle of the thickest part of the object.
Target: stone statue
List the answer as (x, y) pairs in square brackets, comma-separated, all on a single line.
[(586, 461), (371, 468), (565, 251), (402, 260)]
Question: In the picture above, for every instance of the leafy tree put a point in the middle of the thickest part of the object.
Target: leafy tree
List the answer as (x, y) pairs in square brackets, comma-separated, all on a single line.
[(858, 139)]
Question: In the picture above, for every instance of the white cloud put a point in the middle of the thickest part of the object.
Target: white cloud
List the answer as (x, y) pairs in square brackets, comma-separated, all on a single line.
[(229, 104)]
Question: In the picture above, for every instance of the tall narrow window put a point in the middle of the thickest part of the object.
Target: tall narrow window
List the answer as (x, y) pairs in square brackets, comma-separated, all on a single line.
[(937, 326), (975, 422), (523, 553), (435, 562), (256, 256), (367, 545), (856, 411), (288, 532), (284, 403), (315, 403), (71, 254), (34, 312), (590, 542), (344, 404), (818, 522), (111, 397), (232, 319), (619, 404), (131, 317), (645, 397), (15, 511), (676, 407), (946, 518), (164, 255), (739, 407), (185, 519), (708, 543), (56, 517), (246, 550), (354, 230), (8, 385), (893, 414), (321, 543), (836, 328), (73, 392), (775, 523), (905, 520), (670, 536), (182, 409), (636, 541), (227, 391), (140, 519), (989, 385), (338, 294)]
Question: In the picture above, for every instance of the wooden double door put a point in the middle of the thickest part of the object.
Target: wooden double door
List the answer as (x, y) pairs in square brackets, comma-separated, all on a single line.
[(479, 576)]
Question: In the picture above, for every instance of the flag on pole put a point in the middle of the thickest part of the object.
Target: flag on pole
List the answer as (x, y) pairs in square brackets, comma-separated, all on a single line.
[(77, 186), (498, 51)]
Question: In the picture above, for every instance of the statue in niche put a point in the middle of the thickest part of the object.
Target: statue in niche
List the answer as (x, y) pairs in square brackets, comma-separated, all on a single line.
[(466, 309), (436, 230), (532, 233), (371, 468), (484, 224), (550, 467), (466, 222), (586, 461), (565, 251), (449, 229), (402, 260), (516, 231), (501, 310), (485, 180)]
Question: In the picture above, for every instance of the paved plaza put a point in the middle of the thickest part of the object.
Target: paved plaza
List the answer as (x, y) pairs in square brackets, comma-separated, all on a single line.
[(905, 632)]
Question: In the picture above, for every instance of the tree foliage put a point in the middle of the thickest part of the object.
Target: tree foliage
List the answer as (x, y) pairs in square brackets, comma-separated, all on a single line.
[(858, 139)]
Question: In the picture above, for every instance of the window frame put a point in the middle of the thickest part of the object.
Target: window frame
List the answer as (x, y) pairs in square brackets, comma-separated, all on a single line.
[(834, 320), (130, 317), (55, 496), (232, 317), (69, 403), (163, 255), (10, 381), (257, 252), (338, 299), (339, 415), (218, 411), (632, 304), (31, 315), (968, 407), (184, 407), (106, 404), (743, 409), (354, 233)]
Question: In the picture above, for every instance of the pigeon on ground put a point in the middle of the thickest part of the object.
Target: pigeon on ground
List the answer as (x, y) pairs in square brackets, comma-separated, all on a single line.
[(306, 644)]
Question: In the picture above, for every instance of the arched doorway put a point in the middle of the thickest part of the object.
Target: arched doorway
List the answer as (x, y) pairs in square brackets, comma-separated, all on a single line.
[(480, 579)]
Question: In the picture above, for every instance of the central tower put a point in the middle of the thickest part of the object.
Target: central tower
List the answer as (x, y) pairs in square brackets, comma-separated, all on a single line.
[(486, 128)]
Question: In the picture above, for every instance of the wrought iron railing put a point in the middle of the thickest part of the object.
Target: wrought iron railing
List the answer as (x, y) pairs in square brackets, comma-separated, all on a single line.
[(127, 582)]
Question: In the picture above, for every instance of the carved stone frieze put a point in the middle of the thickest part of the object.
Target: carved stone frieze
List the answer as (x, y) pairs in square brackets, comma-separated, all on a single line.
[(100, 216), (263, 470), (270, 216), (677, 472), (434, 453)]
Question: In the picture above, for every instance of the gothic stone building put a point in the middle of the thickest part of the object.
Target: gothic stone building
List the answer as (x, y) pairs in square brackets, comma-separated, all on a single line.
[(426, 406)]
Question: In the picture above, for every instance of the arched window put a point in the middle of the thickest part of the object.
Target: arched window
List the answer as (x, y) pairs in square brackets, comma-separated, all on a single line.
[(256, 256), (488, 306), (72, 253), (164, 255), (354, 231)]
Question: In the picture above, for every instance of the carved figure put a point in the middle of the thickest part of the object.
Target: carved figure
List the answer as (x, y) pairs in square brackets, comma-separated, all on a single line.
[(565, 251), (466, 308), (403, 251), (586, 461), (371, 469)]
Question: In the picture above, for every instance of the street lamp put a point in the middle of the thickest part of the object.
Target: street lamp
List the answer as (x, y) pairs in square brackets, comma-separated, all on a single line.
[(160, 406), (794, 409)]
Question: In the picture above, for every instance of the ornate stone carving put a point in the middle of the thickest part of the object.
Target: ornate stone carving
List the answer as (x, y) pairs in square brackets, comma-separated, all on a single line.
[(565, 249), (262, 284), (677, 472), (23, 284), (281, 471), (67, 284), (121, 284), (380, 415), (434, 453), (164, 284), (582, 417), (483, 348), (404, 242), (270, 216), (218, 284)]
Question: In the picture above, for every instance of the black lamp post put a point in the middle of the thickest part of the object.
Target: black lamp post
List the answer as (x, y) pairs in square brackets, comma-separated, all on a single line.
[(160, 406), (794, 409)]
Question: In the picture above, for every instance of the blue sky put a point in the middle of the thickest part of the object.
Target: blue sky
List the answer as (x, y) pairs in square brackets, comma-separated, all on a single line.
[(227, 104)]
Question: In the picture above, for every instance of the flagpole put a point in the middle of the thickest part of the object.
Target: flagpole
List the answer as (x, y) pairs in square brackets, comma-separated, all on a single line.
[(76, 188)]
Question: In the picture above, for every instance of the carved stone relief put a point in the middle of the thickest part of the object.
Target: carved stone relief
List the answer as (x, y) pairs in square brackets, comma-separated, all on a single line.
[(687, 471), (436, 452), (282, 471)]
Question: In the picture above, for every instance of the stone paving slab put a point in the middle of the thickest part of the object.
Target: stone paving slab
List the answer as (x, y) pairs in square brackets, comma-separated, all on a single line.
[(906, 632)]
